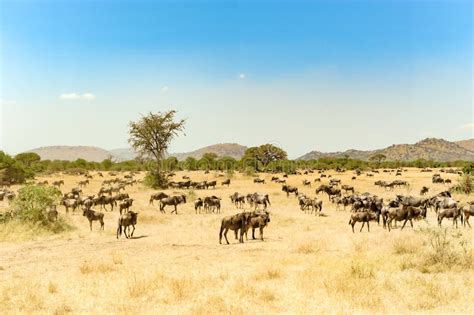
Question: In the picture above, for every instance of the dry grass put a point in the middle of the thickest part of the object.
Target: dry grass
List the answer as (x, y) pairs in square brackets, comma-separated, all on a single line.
[(307, 264)]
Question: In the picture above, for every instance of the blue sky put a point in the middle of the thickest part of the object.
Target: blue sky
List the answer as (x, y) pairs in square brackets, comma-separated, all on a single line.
[(323, 75)]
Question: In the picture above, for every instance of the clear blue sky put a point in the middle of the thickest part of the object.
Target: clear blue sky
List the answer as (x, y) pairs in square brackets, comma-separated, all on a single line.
[(323, 75)]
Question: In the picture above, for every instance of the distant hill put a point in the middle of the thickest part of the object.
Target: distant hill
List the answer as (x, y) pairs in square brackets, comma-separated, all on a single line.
[(429, 149), (467, 144), (71, 153), (125, 154), (223, 149)]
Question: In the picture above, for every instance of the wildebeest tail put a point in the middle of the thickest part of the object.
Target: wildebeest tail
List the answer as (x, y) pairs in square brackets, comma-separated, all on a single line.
[(220, 232), (119, 228)]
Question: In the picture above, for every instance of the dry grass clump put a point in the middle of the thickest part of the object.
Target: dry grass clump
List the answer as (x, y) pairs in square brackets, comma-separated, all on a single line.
[(95, 267), (312, 247)]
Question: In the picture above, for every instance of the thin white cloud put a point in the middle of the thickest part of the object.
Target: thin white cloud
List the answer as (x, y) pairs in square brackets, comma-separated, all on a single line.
[(75, 96), (469, 126), (242, 76), (7, 102), (165, 89)]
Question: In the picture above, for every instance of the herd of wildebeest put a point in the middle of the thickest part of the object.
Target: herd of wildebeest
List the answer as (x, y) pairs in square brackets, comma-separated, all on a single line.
[(364, 207)]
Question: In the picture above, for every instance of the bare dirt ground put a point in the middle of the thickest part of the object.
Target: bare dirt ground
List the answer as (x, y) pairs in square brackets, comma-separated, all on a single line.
[(307, 263)]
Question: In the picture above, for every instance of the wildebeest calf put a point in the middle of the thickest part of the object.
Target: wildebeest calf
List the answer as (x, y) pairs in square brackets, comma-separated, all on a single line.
[(92, 215)]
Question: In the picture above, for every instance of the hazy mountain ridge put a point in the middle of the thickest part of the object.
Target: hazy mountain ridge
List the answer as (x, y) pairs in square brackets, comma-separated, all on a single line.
[(71, 153), (95, 154), (429, 149)]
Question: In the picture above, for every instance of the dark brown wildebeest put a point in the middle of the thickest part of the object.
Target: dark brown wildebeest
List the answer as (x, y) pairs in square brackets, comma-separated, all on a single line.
[(451, 213), (317, 180), (347, 188), (331, 191), (125, 204), (58, 183), (259, 181), (236, 223), (125, 220), (157, 196), (289, 189), (364, 217), (405, 213), (280, 181), (424, 190), (198, 205), (467, 212), (172, 201), (105, 200), (306, 183), (258, 220), (212, 203), (211, 184), (226, 182), (92, 215), (121, 196)]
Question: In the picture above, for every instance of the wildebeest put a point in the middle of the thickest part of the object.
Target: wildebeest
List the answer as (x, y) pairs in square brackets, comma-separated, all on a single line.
[(92, 215), (105, 200), (467, 212), (259, 181), (258, 220), (226, 182), (172, 201), (83, 183), (58, 183), (405, 213), (198, 204), (306, 183), (289, 189), (364, 217), (424, 190), (69, 203), (236, 223), (331, 191), (258, 199), (212, 203), (125, 204), (347, 188), (451, 213), (157, 196), (125, 220), (237, 199), (211, 184)]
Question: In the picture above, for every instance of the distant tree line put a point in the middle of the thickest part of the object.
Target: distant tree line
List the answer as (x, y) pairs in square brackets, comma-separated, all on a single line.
[(24, 166)]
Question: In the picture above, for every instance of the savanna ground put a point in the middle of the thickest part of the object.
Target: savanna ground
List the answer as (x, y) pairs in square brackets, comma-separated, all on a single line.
[(307, 263)]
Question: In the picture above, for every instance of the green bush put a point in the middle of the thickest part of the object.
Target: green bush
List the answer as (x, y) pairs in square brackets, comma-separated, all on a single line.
[(156, 180), (32, 206)]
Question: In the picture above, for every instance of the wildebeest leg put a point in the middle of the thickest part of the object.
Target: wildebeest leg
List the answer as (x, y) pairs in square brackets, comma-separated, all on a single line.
[(405, 222), (411, 223), (368, 229), (90, 223), (101, 224), (363, 223), (253, 233), (261, 233), (236, 232), (225, 235), (389, 224), (133, 226)]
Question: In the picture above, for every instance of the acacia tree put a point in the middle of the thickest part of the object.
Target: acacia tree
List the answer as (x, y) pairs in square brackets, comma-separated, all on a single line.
[(151, 136), (266, 153), (377, 158)]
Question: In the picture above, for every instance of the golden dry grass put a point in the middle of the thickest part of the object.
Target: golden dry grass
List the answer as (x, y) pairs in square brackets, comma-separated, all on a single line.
[(307, 264)]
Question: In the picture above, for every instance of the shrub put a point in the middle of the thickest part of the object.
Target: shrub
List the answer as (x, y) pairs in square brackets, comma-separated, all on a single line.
[(32, 205), (156, 179)]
